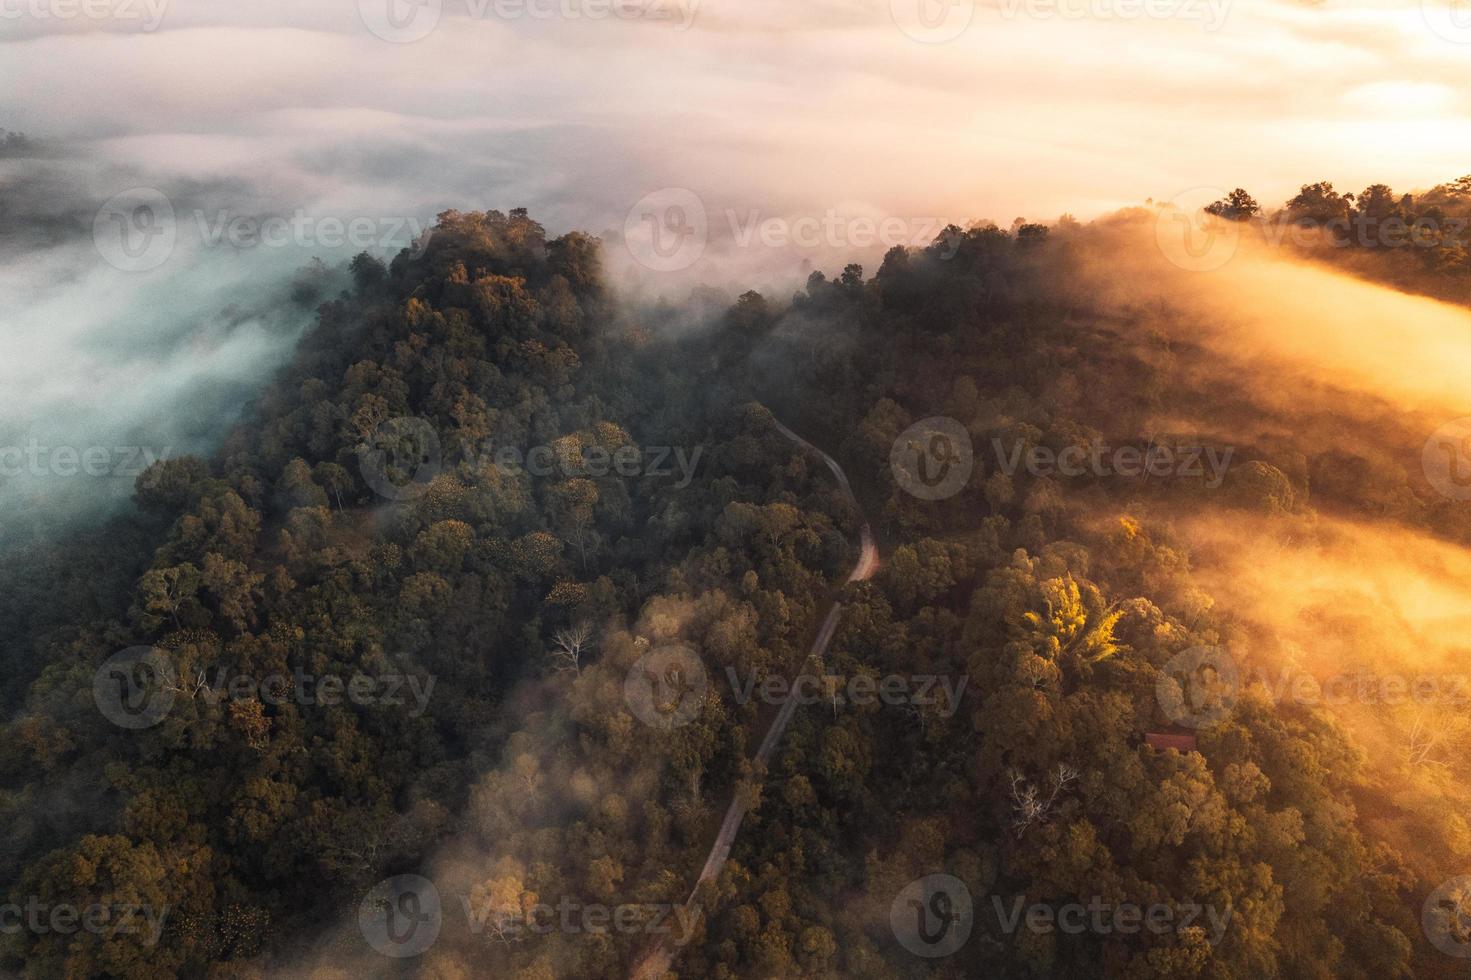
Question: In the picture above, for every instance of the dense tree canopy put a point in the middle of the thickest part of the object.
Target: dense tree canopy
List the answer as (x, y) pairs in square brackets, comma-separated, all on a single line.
[(577, 484)]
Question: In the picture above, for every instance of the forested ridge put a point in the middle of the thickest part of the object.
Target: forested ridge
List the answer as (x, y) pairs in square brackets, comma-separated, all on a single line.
[(520, 601)]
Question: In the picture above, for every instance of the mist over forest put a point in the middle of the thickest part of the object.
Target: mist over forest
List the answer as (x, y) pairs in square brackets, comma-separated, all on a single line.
[(498, 615), (661, 489)]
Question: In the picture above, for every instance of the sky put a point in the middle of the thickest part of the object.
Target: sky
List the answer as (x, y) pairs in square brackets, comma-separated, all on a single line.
[(950, 109), (789, 135)]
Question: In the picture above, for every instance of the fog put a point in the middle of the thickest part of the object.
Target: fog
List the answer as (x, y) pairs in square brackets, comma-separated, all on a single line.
[(1364, 624), (280, 108), (1336, 607)]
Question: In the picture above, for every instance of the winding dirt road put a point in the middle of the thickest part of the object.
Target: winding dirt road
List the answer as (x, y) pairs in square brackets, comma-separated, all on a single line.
[(657, 961)]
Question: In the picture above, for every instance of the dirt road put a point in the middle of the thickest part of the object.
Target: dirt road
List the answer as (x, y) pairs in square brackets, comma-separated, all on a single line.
[(659, 959)]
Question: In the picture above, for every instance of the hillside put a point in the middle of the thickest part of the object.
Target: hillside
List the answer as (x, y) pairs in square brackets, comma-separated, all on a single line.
[(555, 537)]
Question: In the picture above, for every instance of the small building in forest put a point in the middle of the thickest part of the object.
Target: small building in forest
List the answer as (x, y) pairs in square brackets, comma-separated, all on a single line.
[(1162, 741)]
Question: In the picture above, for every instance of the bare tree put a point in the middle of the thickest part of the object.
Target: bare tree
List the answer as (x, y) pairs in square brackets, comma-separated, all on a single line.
[(1423, 742), (190, 689), (570, 645), (1027, 801)]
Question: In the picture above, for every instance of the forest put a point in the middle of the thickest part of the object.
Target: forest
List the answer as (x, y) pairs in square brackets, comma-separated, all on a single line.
[(390, 624)]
